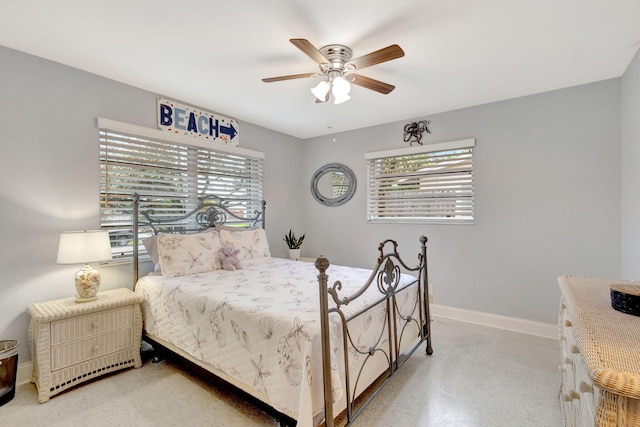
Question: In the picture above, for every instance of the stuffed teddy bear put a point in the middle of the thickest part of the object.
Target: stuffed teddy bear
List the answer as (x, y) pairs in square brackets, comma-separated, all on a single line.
[(228, 256)]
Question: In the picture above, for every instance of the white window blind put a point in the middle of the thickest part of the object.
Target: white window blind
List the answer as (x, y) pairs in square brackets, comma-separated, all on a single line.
[(426, 184), (169, 176)]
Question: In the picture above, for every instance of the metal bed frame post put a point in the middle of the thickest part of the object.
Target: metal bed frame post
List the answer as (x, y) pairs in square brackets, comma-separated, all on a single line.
[(425, 279), (136, 206), (322, 264)]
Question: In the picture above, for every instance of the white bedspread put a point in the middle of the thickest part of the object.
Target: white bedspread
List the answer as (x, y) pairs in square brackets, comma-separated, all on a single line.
[(260, 325)]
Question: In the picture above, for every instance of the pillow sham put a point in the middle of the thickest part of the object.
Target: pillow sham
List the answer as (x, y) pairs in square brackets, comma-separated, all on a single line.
[(151, 245), (182, 254), (251, 242)]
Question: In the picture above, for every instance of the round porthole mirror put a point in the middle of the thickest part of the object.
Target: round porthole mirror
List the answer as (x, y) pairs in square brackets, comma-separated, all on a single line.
[(333, 184)]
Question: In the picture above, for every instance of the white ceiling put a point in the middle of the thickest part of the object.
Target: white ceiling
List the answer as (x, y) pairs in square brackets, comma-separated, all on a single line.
[(213, 53)]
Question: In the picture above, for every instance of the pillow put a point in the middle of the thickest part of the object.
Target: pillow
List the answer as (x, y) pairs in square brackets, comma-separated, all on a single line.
[(251, 242), (182, 254), (151, 245)]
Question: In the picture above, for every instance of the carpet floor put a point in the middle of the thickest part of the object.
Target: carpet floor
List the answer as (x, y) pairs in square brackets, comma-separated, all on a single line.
[(477, 377)]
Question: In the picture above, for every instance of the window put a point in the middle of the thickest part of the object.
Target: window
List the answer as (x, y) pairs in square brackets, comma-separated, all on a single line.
[(169, 173), (426, 184)]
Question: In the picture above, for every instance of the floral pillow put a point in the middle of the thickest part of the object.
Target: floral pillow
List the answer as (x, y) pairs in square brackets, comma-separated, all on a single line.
[(251, 242), (151, 245), (182, 254)]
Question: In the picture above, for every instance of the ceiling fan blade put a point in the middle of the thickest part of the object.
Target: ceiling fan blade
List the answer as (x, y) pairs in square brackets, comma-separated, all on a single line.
[(372, 84), (310, 50), (289, 77), (383, 55)]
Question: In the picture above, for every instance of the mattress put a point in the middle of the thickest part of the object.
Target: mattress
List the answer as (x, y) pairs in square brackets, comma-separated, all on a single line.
[(260, 326)]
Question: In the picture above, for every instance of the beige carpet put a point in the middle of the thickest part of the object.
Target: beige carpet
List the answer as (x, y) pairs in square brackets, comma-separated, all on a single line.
[(478, 376)]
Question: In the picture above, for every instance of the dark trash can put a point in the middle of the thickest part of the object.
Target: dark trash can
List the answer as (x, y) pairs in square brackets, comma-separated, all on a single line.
[(8, 370)]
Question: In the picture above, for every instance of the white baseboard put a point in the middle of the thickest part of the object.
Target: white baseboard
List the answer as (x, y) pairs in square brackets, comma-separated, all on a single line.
[(23, 375), (496, 321)]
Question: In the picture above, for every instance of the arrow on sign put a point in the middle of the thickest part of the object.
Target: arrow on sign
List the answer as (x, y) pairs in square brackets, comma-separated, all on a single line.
[(229, 130)]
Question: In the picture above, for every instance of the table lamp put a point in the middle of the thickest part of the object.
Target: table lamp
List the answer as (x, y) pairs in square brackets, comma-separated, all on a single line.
[(83, 247)]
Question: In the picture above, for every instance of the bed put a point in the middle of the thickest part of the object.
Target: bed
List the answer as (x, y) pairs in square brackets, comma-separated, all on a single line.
[(276, 329)]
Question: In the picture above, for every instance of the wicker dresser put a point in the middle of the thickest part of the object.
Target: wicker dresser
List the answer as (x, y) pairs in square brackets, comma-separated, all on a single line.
[(600, 350), (72, 343)]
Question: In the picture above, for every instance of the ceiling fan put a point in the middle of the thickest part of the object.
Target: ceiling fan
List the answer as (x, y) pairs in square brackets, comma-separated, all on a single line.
[(338, 70)]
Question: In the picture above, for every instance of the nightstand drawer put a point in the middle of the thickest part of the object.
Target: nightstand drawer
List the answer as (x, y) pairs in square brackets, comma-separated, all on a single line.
[(79, 351), (79, 327)]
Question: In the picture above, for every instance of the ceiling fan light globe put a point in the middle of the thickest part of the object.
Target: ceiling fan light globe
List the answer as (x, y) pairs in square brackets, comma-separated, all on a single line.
[(341, 87), (321, 90), (340, 99)]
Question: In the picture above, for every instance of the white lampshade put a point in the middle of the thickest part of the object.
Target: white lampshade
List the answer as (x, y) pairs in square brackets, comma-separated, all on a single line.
[(321, 90), (83, 247)]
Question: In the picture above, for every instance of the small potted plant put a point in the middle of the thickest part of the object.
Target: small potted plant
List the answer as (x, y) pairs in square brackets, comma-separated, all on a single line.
[(294, 244)]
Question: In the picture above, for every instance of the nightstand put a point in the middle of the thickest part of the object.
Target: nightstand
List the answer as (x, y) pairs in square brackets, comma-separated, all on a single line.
[(72, 343)]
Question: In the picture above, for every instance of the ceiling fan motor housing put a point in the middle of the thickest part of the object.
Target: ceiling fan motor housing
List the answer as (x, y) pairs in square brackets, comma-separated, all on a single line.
[(338, 55)]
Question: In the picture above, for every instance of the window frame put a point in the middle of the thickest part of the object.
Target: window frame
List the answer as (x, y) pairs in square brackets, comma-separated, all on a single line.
[(374, 185), (194, 174)]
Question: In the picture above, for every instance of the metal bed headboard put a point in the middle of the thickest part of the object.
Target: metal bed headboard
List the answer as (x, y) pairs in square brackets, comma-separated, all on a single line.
[(210, 211)]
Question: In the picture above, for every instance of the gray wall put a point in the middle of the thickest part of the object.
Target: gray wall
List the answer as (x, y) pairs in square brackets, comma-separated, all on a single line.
[(547, 194), (548, 189), (49, 176), (630, 170)]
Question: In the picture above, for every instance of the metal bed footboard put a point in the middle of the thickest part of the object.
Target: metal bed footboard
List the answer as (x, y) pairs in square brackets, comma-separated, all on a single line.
[(386, 277)]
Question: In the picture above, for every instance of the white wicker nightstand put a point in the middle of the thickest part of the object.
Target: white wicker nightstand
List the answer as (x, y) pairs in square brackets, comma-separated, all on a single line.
[(72, 343)]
